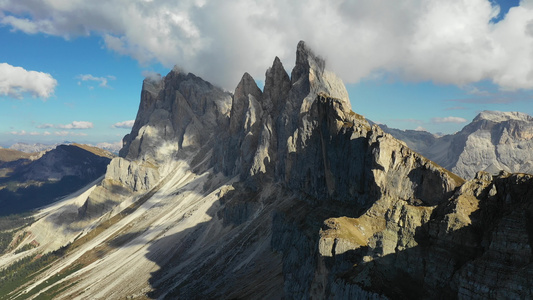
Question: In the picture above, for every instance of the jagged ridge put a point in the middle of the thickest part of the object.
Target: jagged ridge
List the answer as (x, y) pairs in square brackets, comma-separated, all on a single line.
[(235, 196)]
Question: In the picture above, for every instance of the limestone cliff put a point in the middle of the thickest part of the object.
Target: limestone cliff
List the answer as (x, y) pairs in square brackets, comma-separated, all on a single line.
[(284, 193)]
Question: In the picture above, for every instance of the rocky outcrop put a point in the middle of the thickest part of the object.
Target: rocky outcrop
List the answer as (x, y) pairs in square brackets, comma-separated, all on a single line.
[(179, 114), (473, 246), (493, 142), (180, 111)]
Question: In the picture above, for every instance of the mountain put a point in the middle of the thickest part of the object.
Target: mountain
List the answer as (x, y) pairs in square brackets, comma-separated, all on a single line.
[(9, 155), (33, 148), (277, 193), (492, 142), (111, 147), (29, 181)]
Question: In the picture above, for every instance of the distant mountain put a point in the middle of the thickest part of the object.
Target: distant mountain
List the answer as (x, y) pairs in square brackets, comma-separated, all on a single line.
[(492, 142), (415, 139), (33, 148), (111, 147), (29, 181), (38, 147)]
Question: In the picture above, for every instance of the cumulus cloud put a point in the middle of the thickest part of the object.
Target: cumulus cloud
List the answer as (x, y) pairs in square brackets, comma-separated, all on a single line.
[(16, 81), (125, 124), (73, 125), (24, 132), (69, 133), (46, 125), (452, 42), (76, 125), (449, 120), (151, 75), (102, 80)]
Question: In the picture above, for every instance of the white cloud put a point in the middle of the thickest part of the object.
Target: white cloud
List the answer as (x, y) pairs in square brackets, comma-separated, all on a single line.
[(73, 125), (46, 125), (69, 133), (125, 124), (101, 80), (76, 125), (16, 81), (420, 128), (24, 132), (452, 42), (449, 120), (151, 75)]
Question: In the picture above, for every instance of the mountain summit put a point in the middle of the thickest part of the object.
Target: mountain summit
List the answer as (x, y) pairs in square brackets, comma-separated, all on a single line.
[(280, 193), (494, 141)]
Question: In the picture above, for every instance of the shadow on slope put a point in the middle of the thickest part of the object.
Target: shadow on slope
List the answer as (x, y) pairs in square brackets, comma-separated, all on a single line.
[(59, 172), (26, 199), (489, 256), (259, 241), (232, 255)]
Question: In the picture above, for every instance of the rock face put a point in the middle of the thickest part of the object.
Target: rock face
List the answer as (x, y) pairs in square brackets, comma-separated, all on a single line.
[(493, 142), (286, 193)]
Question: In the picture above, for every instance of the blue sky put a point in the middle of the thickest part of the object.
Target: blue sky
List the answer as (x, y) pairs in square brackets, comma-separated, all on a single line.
[(72, 70)]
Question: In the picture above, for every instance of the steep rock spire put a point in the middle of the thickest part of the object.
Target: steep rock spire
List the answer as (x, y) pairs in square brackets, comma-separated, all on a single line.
[(240, 143), (246, 94), (277, 86)]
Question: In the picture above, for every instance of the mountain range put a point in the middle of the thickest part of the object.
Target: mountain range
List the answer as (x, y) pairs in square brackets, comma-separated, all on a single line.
[(492, 142), (277, 193), (31, 180), (38, 147)]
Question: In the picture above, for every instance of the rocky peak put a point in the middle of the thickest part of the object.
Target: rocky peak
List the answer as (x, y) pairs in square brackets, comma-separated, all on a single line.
[(306, 61), (153, 84), (309, 77), (277, 86), (245, 105), (492, 142), (499, 116), (180, 109)]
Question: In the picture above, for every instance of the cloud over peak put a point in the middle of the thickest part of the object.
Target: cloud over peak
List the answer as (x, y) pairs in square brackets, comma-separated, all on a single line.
[(452, 42), (16, 81)]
